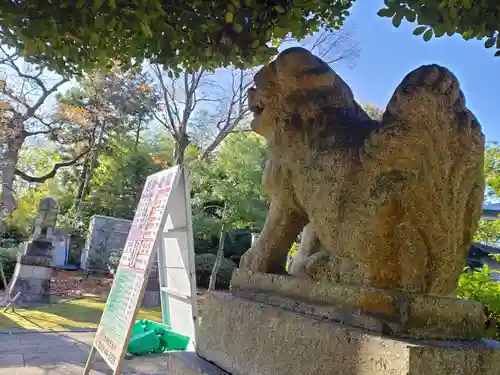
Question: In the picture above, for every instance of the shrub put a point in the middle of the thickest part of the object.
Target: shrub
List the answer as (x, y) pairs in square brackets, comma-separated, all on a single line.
[(114, 260), (237, 242), (479, 285), (8, 258), (204, 265)]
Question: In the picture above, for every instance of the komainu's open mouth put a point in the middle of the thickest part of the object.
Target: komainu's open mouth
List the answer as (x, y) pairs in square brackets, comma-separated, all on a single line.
[(254, 104)]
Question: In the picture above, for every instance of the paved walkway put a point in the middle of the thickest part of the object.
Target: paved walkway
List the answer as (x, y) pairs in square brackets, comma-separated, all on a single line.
[(63, 353)]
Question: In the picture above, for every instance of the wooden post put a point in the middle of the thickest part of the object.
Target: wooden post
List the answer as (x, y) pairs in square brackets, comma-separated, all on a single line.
[(90, 360)]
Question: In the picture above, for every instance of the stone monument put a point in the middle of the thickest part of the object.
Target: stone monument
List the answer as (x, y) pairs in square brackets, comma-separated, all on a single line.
[(390, 208), (34, 265)]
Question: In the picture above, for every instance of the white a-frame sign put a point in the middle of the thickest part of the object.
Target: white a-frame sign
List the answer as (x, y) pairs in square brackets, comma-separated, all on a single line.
[(162, 225)]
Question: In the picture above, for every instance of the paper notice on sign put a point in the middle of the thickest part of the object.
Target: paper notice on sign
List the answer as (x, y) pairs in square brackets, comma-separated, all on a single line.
[(132, 273)]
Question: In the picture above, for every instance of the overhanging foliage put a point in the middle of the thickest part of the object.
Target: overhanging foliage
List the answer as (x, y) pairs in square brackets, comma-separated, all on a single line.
[(75, 35)]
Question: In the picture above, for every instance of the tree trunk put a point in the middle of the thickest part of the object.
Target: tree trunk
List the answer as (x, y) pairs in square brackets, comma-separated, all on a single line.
[(8, 162), (88, 175), (12, 138), (137, 136), (180, 148), (81, 184), (91, 164), (218, 259)]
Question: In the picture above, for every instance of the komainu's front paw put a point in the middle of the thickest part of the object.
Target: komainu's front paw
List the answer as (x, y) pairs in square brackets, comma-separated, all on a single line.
[(253, 260), (317, 265)]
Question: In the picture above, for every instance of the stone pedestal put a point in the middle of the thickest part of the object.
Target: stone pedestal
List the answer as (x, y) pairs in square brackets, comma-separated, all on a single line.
[(278, 325), (250, 338), (152, 293), (32, 274)]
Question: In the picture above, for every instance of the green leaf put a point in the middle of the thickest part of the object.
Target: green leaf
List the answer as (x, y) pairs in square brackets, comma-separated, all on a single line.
[(439, 31), (279, 9), (112, 4), (467, 4), (419, 30), (279, 32), (146, 30), (428, 35), (97, 4), (490, 42), (411, 16), (238, 28), (396, 20), (467, 34), (236, 3), (453, 14), (386, 13), (229, 17)]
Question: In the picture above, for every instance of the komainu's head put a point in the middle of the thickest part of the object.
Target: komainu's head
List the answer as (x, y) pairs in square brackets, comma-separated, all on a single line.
[(288, 86)]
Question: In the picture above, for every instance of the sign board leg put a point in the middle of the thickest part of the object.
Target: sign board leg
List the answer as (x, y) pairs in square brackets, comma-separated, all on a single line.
[(90, 360), (11, 301)]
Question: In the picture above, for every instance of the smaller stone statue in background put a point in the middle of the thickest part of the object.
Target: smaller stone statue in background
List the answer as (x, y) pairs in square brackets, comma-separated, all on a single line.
[(46, 218)]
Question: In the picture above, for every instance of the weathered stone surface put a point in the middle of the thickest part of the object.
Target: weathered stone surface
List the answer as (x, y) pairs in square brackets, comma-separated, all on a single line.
[(248, 338), (39, 248), (395, 313), (394, 203), (32, 290), (33, 270), (35, 260), (105, 235), (46, 218)]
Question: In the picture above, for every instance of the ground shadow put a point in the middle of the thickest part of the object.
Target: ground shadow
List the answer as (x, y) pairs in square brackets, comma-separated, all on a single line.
[(7, 323)]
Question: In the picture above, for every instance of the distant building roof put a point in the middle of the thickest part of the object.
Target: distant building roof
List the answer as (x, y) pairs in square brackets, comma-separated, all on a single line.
[(492, 207), (491, 211), (485, 248)]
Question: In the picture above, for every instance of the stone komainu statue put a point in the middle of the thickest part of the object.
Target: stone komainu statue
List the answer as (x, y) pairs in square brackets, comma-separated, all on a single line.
[(390, 204), (46, 218)]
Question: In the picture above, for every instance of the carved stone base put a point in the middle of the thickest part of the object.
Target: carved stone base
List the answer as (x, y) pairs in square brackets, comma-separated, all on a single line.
[(152, 293), (32, 275), (33, 282), (39, 247), (151, 299), (394, 313), (249, 338)]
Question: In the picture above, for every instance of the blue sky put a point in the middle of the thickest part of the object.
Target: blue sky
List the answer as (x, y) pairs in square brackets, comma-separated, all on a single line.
[(389, 53)]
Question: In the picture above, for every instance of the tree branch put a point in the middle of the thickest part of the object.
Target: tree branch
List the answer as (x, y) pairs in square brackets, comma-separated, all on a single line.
[(237, 110), (29, 134), (171, 124), (54, 170), (10, 60)]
